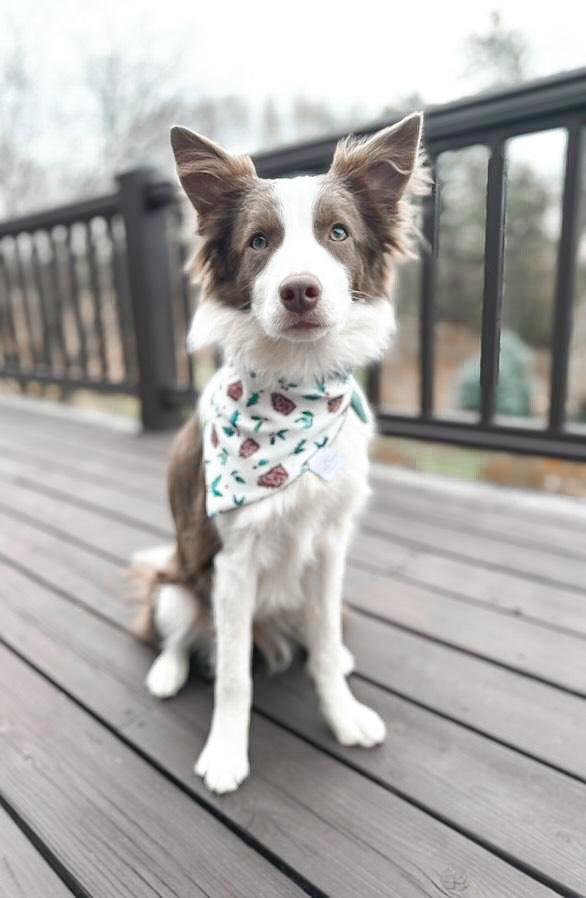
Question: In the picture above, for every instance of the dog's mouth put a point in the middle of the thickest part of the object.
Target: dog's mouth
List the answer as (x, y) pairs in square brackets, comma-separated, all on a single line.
[(304, 325)]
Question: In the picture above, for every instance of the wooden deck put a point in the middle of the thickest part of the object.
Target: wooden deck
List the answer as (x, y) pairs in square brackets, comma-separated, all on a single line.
[(468, 622)]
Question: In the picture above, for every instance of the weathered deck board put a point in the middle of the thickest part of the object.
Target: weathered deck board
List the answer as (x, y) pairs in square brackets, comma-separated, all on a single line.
[(118, 826), (22, 868), (468, 792), (295, 800)]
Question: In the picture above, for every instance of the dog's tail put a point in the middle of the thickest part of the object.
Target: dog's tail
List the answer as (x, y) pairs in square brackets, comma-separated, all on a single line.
[(148, 569)]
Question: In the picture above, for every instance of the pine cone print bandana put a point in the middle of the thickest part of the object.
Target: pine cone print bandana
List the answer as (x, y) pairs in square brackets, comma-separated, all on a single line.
[(259, 438)]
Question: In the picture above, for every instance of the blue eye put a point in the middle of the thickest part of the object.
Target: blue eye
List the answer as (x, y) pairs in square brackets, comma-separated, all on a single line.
[(338, 232), (259, 241)]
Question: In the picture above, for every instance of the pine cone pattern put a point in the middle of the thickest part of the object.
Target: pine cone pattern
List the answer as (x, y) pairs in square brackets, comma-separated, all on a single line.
[(335, 403), (274, 478), (248, 448), (260, 437), (235, 390), (282, 404)]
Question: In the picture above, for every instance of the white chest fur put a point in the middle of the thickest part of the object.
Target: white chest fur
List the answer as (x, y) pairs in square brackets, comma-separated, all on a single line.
[(284, 530)]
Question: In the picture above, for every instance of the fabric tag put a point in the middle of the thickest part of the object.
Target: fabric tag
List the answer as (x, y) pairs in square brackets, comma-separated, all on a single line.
[(326, 463)]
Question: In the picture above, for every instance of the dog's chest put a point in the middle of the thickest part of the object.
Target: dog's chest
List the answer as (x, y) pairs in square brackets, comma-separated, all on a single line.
[(289, 526)]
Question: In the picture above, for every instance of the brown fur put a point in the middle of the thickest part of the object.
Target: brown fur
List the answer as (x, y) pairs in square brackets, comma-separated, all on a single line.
[(197, 539), (376, 172)]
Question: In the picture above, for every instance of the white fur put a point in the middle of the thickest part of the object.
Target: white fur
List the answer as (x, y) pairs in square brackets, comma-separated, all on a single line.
[(175, 620), (285, 556), (300, 253), (282, 558), (355, 332)]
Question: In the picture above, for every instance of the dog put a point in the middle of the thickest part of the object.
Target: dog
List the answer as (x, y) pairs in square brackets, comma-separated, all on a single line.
[(267, 478)]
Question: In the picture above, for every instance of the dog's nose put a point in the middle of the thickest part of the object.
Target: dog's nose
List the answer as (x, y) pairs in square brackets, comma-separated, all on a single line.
[(300, 293)]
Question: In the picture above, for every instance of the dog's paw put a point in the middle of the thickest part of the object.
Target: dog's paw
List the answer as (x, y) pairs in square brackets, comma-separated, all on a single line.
[(347, 662), (357, 724), (222, 766), (168, 674)]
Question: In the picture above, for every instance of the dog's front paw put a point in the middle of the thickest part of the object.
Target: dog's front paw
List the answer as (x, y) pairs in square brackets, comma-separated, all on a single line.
[(168, 674), (222, 765), (357, 724)]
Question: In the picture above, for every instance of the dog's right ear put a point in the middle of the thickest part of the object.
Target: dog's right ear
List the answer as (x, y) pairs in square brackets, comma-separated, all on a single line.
[(209, 174)]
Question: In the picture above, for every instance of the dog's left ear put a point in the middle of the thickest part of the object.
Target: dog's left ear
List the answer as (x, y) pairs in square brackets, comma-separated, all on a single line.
[(209, 174), (384, 162)]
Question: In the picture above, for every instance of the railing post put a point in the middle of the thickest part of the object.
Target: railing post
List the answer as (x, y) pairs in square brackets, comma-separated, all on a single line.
[(150, 294)]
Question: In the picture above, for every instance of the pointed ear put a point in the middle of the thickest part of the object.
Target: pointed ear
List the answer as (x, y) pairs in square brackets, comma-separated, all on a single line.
[(384, 162), (208, 173)]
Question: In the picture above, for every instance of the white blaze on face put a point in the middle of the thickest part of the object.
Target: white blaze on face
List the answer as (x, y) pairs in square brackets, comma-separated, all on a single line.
[(300, 253)]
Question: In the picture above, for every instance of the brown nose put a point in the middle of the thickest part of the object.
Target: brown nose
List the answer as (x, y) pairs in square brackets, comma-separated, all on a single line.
[(300, 293)]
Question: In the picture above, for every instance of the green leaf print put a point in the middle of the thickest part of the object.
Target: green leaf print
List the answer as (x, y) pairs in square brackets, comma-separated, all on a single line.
[(299, 447), (238, 501), (234, 418), (281, 434), (252, 400), (263, 461), (229, 431), (312, 396), (215, 483), (237, 477), (223, 456), (322, 444), (259, 422), (306, 419)]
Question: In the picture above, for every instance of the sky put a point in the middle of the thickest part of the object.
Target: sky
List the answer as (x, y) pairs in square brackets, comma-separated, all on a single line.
[(362, 55), (363, 52)]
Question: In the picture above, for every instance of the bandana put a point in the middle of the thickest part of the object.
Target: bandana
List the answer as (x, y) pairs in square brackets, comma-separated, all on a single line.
[(258, 439)]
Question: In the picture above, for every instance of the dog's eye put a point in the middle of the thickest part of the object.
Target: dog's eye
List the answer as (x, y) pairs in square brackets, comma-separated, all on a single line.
[(338, 232), (259, 241)]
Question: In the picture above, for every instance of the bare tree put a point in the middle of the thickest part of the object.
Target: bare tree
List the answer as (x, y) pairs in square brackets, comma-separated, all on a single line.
[(498, 57), (22, 177)]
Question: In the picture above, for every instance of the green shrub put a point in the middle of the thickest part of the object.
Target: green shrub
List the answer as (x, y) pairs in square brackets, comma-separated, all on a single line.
[(514, 388)]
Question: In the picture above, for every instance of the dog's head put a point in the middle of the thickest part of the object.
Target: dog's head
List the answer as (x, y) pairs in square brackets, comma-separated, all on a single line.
[(297, 273)]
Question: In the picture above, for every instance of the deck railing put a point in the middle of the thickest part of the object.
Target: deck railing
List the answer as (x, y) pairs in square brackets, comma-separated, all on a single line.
[(94, 294)]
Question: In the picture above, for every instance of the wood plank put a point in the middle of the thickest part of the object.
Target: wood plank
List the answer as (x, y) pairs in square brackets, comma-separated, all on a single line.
[(140, 509), (487, 551), (537, 719), (508, 801), (482, 521), (24, 873), (557, 658), (147, 448), (114, 539), (555, 513), (116, 824), (512, 593), (474, 691), (60, 455), (296, 802)]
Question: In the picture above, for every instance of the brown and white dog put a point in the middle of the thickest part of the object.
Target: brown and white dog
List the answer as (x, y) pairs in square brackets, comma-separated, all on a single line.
[(296, 279)]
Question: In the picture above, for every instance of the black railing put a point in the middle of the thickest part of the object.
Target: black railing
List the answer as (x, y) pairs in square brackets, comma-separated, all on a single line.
[(105, 304)]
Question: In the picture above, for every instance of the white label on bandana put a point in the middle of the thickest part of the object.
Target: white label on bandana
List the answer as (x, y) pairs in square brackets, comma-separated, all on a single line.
[(326, 463)]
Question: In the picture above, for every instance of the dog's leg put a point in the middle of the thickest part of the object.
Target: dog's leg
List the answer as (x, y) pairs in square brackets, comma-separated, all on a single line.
[(176, 623), (351, 722), (223, 762)]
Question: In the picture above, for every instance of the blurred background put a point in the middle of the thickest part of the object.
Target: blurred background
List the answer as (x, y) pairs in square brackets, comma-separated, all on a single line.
[(87, 92)]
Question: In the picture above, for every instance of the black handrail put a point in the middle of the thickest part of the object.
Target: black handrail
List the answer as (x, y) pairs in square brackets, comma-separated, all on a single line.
[(56, 303)]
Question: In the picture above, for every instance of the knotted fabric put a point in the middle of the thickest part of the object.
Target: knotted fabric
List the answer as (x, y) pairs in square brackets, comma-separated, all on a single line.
[(259, 438)]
